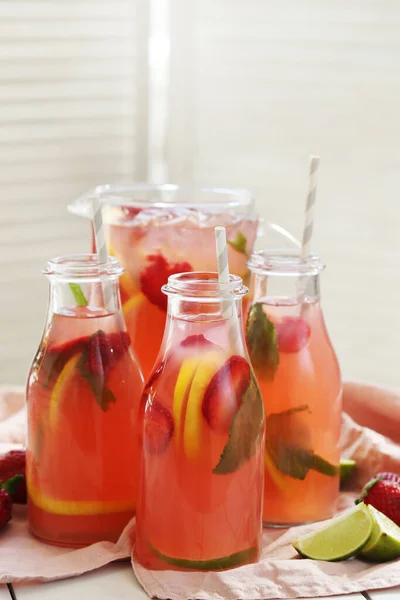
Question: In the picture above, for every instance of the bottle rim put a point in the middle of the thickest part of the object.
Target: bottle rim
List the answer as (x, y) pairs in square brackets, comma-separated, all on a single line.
[(285, 262), (82, 266), (203, 285)]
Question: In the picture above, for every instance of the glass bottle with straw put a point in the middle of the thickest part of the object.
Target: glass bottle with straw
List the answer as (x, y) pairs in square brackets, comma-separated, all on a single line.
[(203, 432), (300, 381), (83, 398)]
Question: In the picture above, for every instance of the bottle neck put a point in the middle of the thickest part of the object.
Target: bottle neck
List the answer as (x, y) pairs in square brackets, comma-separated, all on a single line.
[(284, 289), (70, 298)]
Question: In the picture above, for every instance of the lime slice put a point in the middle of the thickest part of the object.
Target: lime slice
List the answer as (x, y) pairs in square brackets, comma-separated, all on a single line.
[(384, 542), (347, 466), (213, 564), (343, 537)]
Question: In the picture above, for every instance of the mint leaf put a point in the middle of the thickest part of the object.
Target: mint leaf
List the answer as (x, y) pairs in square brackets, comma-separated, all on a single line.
[(288, 443), (91, 367), (79, 296), (239, 243), (246, 432), (213, 564), (262, 343)]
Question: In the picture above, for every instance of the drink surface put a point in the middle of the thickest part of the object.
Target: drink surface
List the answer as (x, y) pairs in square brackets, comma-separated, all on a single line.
[(300, 383), (82, 453), (203, 427), (154, 243)]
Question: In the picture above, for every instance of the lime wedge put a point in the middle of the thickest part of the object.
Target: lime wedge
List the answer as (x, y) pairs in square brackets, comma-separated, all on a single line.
[(347, 466), (384, 542), (343, 537)]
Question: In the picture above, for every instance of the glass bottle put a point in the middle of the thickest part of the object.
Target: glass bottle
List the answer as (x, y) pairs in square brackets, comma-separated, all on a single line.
[(300, 382), (201, 481), (83, 397)]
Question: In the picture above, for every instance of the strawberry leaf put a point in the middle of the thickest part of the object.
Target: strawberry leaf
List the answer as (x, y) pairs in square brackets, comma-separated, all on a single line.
[(288, 443), (245, 433), (262, 343), (10, 486), (239, 243)]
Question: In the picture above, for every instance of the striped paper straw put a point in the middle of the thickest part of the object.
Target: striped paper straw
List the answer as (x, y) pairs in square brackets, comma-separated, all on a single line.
[(101, 245), (228, 306), (310, 203), (98, 227)]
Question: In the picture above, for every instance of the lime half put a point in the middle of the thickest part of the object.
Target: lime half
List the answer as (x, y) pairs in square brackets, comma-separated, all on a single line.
[(343, 537), (347, 466), (384, 543)]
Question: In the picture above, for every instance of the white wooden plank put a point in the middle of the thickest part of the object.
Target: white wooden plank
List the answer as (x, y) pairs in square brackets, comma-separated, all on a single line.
[(390, 594), (4, 593), (115, 581)]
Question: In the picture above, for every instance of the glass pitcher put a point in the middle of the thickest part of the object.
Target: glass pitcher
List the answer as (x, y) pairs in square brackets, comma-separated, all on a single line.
[(156, 231), (201, 485), (83, 398), (300, 382)]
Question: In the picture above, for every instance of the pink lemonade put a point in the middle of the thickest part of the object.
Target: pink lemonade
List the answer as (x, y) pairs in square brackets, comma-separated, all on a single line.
[(203, 426), (156, 231), (82, 452), (300, 382)]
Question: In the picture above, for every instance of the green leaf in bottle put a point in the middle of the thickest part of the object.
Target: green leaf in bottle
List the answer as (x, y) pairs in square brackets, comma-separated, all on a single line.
[(289, 444), (262, 343), (239, 243), (79, 296), (245, 433)]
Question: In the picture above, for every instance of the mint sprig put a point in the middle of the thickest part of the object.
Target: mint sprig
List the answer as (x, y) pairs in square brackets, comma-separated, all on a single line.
[(79, 296), (239, 243), (288, 443), (96, 379), (245, 433), (262, 343)]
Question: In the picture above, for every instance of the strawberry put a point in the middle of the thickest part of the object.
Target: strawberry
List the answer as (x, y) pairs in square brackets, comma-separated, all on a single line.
[(7, 491), (158, 428), (197, 342), (105, 349), (223, 394), (13, 463), (156, 275), (56, 357), (389, 477), (384, 495), (293, 334)]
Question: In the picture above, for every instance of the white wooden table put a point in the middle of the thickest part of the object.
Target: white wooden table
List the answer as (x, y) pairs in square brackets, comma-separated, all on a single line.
[(118, 582)]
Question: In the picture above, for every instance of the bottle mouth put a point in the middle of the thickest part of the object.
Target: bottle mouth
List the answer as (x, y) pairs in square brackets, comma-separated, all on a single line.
[(82, 266), (203, 285), (284, 262), (164, 196)]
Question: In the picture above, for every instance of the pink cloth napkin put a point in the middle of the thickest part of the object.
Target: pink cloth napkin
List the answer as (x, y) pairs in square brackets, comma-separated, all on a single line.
[(279, 574)]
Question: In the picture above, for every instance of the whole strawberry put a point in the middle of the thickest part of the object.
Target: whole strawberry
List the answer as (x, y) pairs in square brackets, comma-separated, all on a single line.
[(389, 476), (384, 495), (13, 463), (7, 490)]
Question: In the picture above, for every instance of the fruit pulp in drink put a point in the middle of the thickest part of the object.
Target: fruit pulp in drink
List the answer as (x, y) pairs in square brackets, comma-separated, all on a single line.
[(153, 243), (82, 453), (301, 387), (202, 468)]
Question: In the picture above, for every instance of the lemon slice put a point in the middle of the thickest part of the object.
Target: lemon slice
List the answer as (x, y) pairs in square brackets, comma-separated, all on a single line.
[(185, 378), (210, 363), (342, 538), (62, 383)]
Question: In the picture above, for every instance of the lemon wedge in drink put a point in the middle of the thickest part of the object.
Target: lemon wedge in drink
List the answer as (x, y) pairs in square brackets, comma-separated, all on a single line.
[(384, 542), (342, 538), (61, 387)]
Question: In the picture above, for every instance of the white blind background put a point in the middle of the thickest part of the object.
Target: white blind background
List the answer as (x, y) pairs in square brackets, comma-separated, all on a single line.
[(73, 113), (256, 87)]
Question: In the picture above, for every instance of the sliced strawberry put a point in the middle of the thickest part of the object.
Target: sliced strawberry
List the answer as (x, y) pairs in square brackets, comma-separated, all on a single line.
[(53, 359), (156, 275), (158, 428), (223, 395), (197, 342), (105, 349), (293, 334), (130, 212)]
